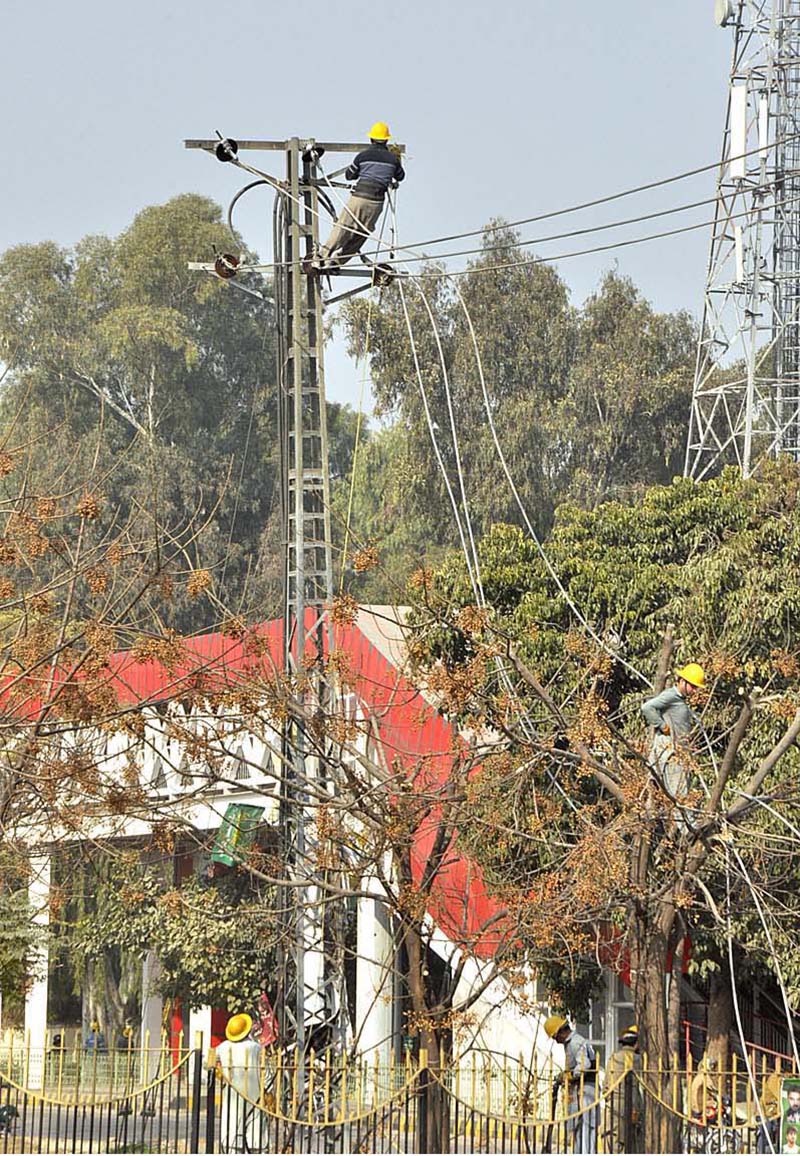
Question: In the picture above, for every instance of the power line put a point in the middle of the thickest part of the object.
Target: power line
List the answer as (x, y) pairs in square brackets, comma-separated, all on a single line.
[(597, 201), (562, 236), (475, 269)]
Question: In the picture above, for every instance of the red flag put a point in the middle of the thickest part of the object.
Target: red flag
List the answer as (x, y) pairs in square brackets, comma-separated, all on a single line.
[(267, 1032)]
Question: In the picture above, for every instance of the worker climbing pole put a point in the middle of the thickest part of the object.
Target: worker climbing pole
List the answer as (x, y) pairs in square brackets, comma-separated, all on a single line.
[(375, 170), (312, 995)]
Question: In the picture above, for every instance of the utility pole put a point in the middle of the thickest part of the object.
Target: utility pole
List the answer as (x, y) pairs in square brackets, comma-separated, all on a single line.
[(746, 397), (312, 1003)]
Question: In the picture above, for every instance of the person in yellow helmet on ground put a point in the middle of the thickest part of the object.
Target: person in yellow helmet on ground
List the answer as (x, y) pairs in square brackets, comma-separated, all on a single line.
[(374, 170), (624, 1118), (238, 1060), (580, 1081), (672, 717)]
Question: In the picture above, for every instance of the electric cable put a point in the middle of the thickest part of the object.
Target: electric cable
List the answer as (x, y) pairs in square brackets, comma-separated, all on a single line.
[(523, 511), (588, 229), (232, 205), (430, 423), (280, 186), (475, 580), (444, 274), (475, 269)]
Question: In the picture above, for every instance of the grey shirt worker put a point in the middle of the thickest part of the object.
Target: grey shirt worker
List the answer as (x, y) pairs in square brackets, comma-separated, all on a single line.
[(670, 713), (580, 1063), (673, 719), (579, 1057)]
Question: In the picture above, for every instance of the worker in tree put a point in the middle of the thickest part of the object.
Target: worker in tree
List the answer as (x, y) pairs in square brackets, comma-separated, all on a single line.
[(624, 1118), (673, 719), (579, 1079), (374, 170)]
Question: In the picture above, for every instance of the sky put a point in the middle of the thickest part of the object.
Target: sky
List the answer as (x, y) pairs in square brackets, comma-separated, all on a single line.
[(508, 109)]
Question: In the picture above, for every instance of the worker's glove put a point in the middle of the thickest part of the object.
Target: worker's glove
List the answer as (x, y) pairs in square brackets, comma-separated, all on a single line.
[(665, 729), (392, 185)]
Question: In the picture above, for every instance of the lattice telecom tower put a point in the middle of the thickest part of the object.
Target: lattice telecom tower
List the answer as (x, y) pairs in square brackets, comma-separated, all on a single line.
[(746, 400)]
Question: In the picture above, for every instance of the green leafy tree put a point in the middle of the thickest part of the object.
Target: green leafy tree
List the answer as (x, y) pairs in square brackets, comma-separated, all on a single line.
[(586, 403), (160, 380), (21, 934), (214, 939), (622, 421)]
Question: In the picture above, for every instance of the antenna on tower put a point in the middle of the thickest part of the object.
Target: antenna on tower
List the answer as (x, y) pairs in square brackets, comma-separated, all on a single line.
[(746, 397)]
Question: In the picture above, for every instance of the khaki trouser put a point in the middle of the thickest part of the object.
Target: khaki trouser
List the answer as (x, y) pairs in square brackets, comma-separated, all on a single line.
[(666, 759), (357, 219)]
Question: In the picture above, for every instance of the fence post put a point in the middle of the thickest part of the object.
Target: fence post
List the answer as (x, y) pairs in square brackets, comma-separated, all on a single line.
[(629, 1124), (197, 1093), (211, 1093), (422, 1101)]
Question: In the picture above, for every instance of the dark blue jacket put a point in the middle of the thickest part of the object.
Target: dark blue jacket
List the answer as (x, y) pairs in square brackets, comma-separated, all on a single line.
[(373, 170)]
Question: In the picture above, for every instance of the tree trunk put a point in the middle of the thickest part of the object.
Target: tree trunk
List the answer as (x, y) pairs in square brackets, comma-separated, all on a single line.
[(649, 964), (434, 1044), (720, 1019)]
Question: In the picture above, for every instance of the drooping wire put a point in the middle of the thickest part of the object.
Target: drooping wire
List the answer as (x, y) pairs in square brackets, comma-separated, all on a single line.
[(734, 991), (359, 421), (473, 564), (773, 952), (523, 510), (431, 431)]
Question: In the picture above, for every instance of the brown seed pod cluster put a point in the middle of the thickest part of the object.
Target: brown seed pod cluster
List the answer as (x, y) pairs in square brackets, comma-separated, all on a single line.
[(199, 581), (89, 506), (365, 559)]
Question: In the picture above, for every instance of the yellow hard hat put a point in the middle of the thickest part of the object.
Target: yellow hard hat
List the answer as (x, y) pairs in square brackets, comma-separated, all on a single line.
[(238, 1027), (693, 674), (379, 131), (553, 1025)]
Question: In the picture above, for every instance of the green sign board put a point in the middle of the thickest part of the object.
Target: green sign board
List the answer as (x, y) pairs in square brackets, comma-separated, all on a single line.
[(236, 833)]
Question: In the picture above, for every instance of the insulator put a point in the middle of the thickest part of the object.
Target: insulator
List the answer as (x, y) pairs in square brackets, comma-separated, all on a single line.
[(227, 149), (226, 266)]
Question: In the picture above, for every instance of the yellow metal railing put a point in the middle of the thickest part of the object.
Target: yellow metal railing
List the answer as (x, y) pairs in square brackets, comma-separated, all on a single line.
[(332, 1088)]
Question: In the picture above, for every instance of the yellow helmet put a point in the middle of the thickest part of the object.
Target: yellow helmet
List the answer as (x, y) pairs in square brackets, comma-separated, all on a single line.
[(553, 1025), (238, 1027), (379, 131), (693, 674)]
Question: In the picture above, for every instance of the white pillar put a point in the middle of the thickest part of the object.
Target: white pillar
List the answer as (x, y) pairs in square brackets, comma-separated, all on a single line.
[(152, 1013), (36, 997), (375, 975), (200, 1021)]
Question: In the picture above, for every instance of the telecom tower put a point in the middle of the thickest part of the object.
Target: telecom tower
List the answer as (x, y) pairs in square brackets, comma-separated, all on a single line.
[(312, 998), (746, 398)]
